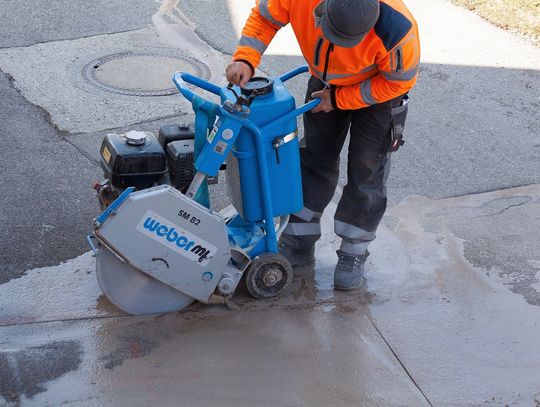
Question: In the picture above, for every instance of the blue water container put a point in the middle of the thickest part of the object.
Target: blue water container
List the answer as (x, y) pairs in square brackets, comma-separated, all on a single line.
[(273, 101)]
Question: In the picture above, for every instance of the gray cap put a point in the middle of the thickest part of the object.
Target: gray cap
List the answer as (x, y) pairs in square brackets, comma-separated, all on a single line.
[(346, 22)]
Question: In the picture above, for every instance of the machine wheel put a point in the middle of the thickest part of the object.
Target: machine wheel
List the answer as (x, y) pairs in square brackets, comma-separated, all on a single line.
[(268, 276)]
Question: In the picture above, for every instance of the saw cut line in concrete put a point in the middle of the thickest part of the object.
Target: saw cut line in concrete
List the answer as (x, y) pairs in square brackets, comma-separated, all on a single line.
[(146, 73)]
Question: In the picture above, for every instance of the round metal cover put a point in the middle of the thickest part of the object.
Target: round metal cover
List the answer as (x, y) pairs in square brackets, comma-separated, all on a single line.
[(135, 138), (133, 291), (258, 86), (141, 73)]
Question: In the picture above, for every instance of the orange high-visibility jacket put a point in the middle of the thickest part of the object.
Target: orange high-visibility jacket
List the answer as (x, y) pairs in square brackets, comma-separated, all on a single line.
[(383, 66)]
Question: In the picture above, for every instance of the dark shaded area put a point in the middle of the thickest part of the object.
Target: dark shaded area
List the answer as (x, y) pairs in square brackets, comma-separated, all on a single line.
[(132, 347), (23, 373), (46, 204), (32, 21)]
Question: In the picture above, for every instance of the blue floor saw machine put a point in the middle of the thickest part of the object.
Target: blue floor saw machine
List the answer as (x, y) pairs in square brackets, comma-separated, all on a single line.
[(159, 246)]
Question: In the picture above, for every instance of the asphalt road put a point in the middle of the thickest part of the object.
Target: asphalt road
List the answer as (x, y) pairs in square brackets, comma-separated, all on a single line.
[(46, 207), (46, 201), (30, 22)]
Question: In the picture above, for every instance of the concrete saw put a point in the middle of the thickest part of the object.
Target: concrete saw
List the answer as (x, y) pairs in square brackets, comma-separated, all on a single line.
[(159, 251), (160, 246)]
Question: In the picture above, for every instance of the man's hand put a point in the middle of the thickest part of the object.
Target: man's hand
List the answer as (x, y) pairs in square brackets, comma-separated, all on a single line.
[(326, 101), (238, 73)]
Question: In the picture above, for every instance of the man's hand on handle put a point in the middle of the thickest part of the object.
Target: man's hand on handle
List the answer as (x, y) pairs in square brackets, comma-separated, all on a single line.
[(238, 73), (326, 101)]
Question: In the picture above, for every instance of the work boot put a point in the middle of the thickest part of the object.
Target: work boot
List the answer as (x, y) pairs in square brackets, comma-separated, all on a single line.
[(349, 272), (297, 256)]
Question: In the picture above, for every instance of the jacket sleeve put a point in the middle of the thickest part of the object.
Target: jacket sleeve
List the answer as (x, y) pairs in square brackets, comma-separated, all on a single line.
[(398, 72), (266, 18)]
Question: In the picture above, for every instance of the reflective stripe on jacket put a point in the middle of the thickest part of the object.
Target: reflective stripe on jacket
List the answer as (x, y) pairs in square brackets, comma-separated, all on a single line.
[(381, 67)]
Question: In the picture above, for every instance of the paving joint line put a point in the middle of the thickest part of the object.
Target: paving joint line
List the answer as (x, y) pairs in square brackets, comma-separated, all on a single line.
[(502, 210), (253, 308), (409, 375), (402, 364), (85, 154), (171, 116), (487, 191)]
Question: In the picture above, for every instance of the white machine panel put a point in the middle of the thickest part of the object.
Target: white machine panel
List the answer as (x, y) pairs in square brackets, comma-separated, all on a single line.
[(171, 238)]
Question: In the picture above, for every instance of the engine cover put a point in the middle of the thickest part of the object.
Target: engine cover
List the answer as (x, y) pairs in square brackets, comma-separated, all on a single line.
[(132, 159), (171, 238)]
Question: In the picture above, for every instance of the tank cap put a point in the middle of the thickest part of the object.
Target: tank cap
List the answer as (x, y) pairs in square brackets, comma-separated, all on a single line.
[(135, 138), (258, 86)]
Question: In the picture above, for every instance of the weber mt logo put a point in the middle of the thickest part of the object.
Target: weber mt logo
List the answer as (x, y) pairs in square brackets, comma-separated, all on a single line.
[(176, 238)]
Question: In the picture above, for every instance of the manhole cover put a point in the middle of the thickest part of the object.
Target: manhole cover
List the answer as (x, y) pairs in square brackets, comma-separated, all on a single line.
[(134, 73)]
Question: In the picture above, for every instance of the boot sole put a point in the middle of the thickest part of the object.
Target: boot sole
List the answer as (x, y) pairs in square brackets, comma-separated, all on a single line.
[(362, 284)]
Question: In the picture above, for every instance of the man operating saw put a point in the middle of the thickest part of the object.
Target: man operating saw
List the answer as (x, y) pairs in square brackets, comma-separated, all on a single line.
[(363, 56)]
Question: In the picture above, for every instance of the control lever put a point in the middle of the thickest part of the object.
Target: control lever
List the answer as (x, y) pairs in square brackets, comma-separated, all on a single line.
[(240, 99)]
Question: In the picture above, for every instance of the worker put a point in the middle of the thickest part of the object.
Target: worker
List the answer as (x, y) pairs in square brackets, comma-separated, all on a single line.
[(363, 56)]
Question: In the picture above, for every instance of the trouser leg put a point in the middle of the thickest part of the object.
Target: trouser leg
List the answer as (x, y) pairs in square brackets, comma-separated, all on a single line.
[(325, 134), (363, 202)]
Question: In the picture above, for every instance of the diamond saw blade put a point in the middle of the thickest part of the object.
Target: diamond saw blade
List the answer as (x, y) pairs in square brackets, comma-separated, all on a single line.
[(133, 291)]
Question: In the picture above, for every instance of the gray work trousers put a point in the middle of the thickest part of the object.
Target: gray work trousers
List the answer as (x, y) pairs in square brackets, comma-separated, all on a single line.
[(363, 201)]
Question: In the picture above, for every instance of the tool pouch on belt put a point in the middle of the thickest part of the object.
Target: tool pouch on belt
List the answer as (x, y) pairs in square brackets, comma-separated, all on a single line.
[(399, 114)]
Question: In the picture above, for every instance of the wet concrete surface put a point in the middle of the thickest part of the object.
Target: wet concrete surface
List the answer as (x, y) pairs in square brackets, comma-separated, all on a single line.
[(269, 358), (467, 334), (25, 371), (431, 328)]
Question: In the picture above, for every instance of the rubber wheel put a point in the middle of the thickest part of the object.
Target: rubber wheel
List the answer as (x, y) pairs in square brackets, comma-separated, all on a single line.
[(268, 276)]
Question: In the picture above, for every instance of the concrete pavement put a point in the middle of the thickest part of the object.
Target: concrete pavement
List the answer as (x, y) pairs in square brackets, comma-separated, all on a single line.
[(433, 328), (451, 313)]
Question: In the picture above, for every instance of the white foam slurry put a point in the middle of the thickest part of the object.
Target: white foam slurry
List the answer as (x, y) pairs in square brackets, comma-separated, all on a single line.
[(175, 30), (464, 337)]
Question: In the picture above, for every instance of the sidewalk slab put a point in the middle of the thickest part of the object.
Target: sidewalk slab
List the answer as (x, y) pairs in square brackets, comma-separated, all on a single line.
[(266, 358), (62, 342), (456, 295)]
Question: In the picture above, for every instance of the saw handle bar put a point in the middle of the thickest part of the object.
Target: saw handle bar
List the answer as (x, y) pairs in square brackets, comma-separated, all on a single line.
[(180, 79)]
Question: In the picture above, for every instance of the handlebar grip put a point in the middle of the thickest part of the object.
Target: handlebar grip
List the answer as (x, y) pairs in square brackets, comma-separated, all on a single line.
[(308, 106), (180, 79), (291, 115), (291, 74)]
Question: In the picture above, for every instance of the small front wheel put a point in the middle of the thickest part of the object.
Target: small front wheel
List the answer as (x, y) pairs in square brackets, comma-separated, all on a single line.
[(268, 276)]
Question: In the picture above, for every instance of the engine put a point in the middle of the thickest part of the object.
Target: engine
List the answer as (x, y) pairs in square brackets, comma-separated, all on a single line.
[(139, 159)]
